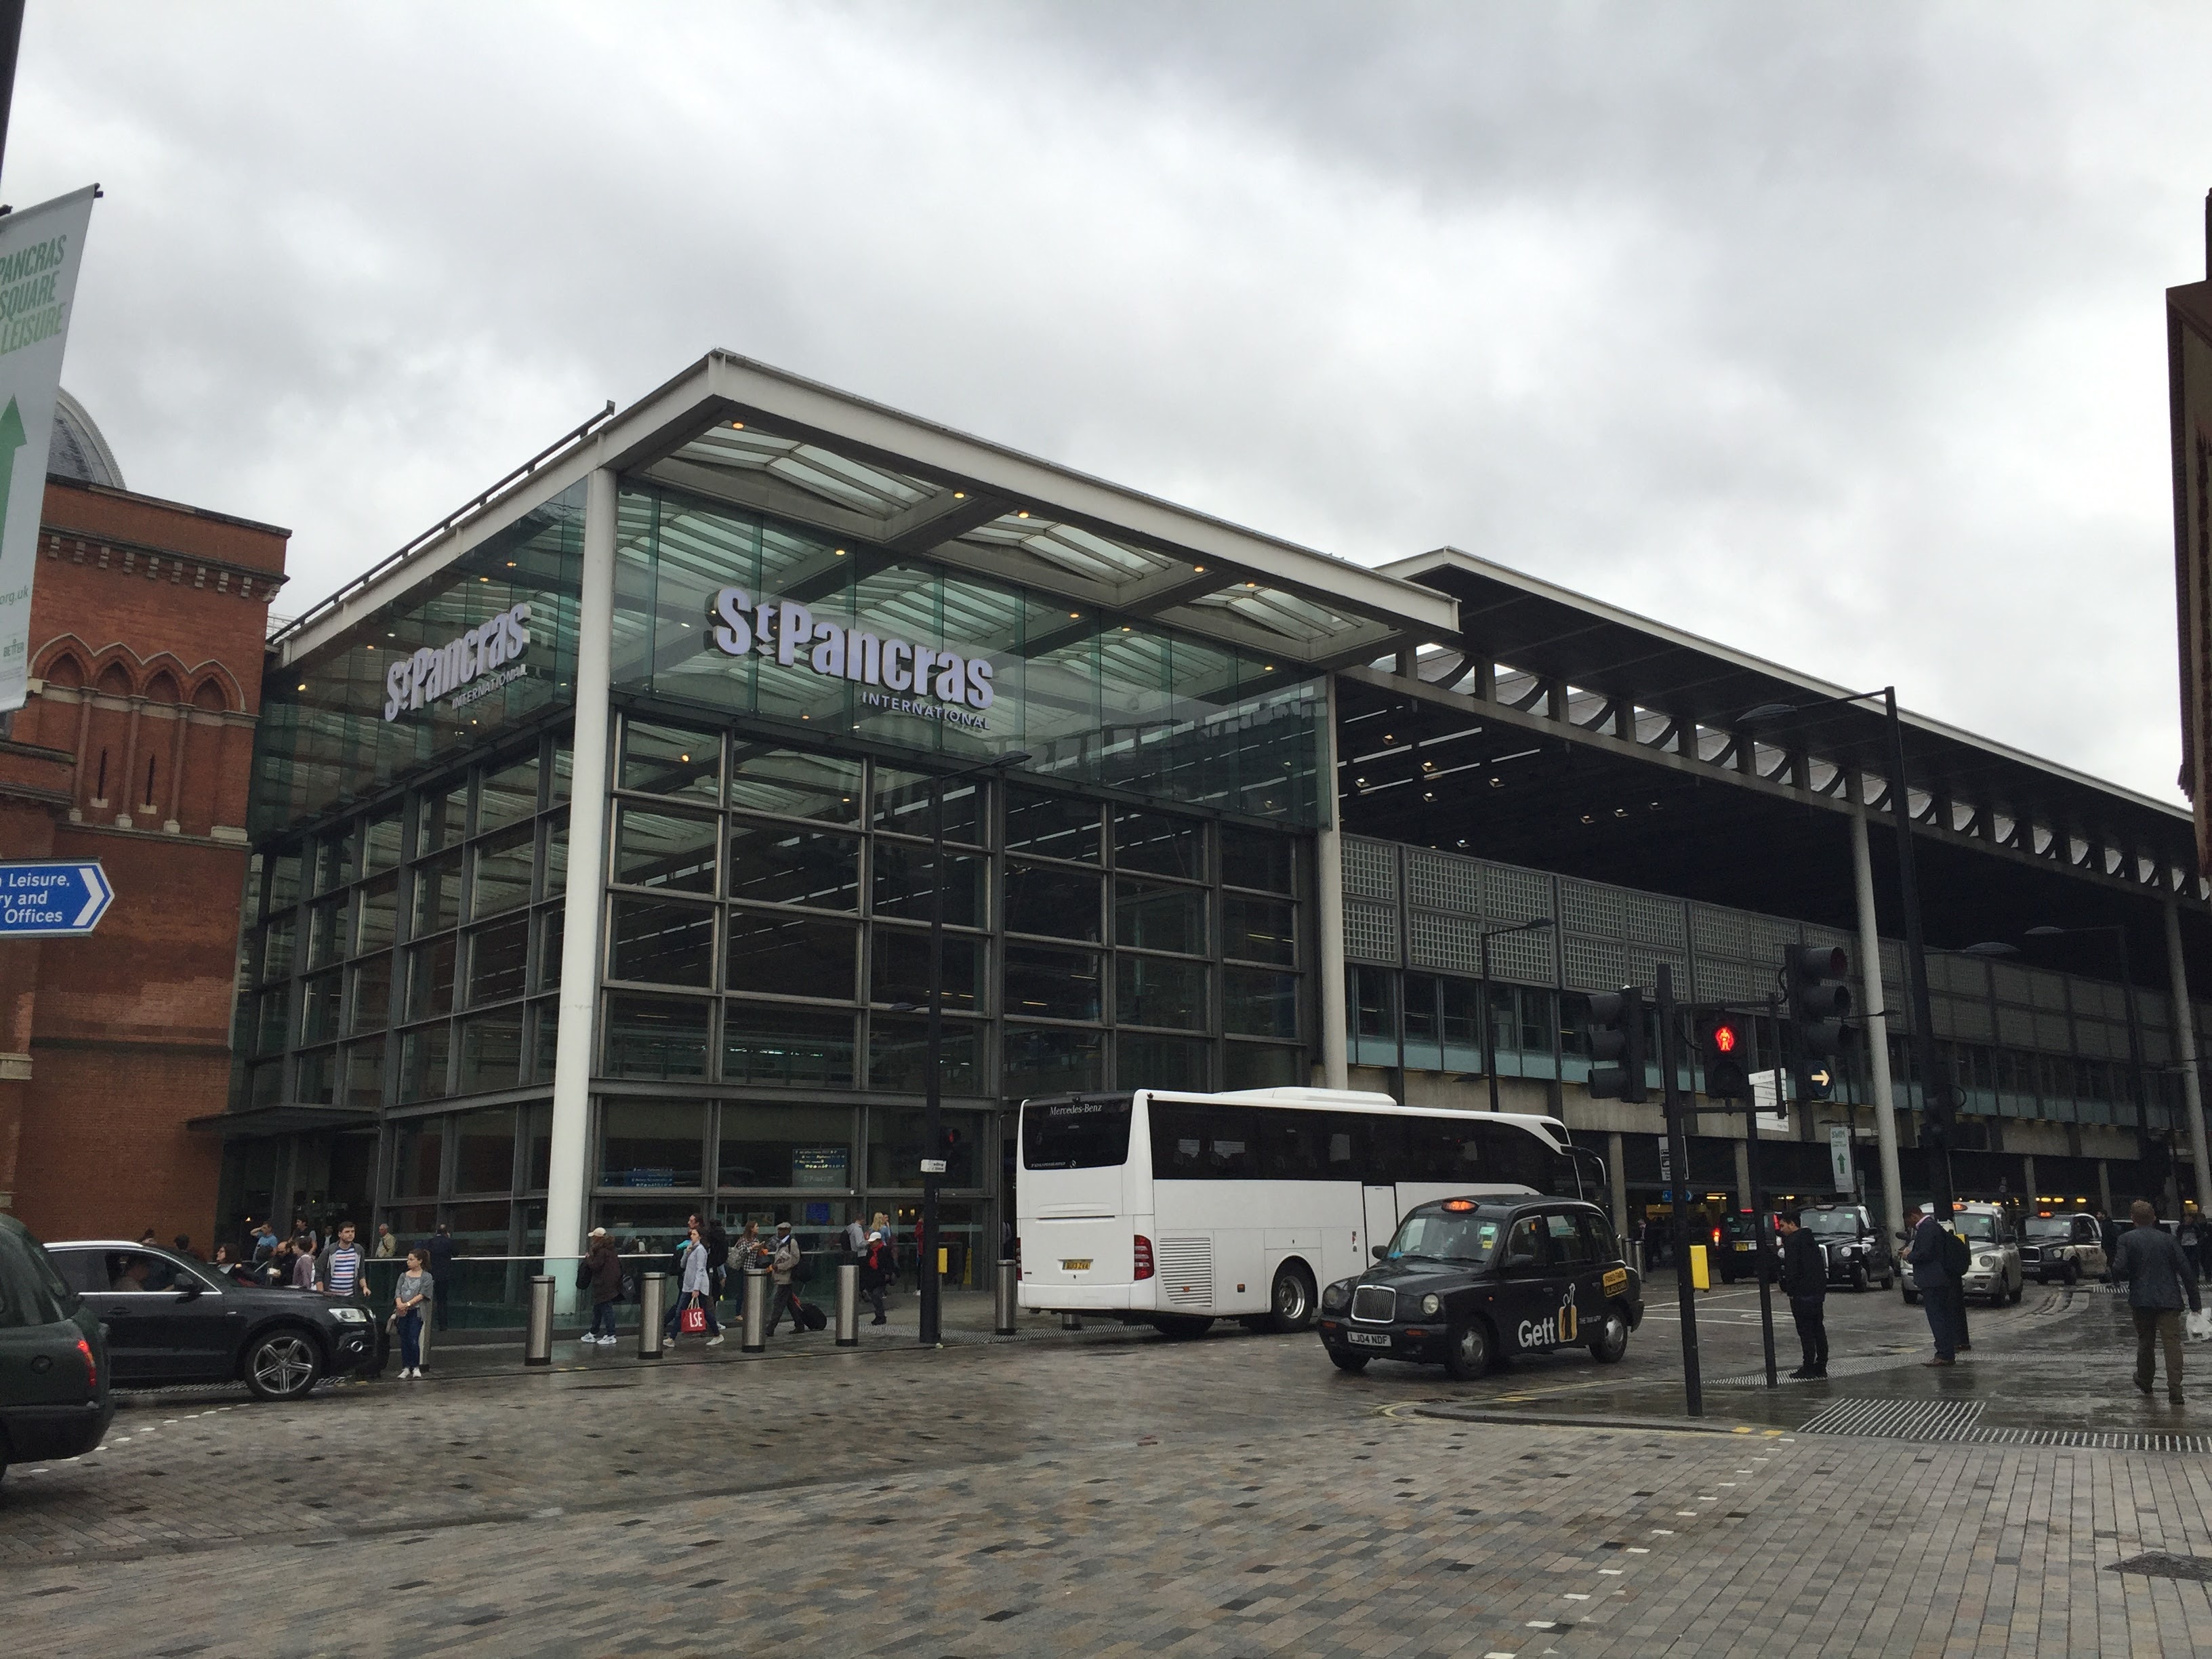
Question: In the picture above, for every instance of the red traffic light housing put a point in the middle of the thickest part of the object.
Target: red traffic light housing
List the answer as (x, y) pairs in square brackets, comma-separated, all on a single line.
[(1720, 1039)]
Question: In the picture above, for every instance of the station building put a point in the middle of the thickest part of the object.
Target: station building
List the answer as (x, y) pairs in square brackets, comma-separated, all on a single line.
[(592, 857)]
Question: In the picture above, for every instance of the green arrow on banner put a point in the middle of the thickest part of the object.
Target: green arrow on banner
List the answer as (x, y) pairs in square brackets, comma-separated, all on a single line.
[(11, 440)]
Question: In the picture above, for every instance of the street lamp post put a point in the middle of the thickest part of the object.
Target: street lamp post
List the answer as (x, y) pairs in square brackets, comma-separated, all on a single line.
[(932, 1113), (1490, 1024), (1915, 944)]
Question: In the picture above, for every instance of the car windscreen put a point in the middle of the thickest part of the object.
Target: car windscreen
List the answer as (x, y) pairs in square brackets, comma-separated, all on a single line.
[(1439, 1235), (1075, 1134), (2049, 1226), (1845, 1222), (1981, 1228)]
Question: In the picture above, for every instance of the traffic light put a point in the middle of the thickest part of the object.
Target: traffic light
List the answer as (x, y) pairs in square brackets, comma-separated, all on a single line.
[(1817, 1001), (1616, 1045), (1720, 1039)]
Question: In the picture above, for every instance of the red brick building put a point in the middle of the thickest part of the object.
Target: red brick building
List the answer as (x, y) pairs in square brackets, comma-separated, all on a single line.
[(135, 747)]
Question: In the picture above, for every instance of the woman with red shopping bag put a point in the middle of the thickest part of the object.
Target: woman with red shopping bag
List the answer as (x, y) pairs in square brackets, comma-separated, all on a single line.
[(694, 1312)]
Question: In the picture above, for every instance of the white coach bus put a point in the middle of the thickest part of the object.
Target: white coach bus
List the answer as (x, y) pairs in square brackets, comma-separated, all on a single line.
[(1175, 1210)]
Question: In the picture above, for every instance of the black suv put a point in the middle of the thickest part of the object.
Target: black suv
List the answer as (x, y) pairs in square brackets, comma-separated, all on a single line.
[(170, 1319), (54, 1396), (1851, 1243), (1468, 1282)]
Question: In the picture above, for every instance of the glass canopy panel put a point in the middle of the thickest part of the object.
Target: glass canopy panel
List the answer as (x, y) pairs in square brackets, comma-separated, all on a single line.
[(856, 486), (1078, 552)]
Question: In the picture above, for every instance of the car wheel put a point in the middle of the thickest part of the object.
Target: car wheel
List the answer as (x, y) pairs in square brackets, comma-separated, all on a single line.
[(1860, 1282), (1467, 1351), (1610, 1343), (1291, 1299), (282, 1365), (1182, 1327), (1354, 1363)]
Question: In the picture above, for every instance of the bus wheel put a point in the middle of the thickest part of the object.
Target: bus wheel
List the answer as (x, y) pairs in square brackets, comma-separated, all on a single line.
[(1182, 1327), (1292, 1300), (1354, 1363), (1467, 1351)]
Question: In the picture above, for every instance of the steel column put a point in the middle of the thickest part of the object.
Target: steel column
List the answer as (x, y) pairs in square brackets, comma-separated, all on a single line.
[(1877, 1028)]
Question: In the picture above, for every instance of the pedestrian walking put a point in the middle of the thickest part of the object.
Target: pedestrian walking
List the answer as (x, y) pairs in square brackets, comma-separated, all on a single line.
[(787, 1264), (416, 1287), (2107, 1234), (697, 1290), (439, 1252), (2158, 1284), (386, 1245), (1805, 1282), (856, 1238), (2189, 1232), (877, 1266), (717, 1239), (1933, 1277), (603, 1269)]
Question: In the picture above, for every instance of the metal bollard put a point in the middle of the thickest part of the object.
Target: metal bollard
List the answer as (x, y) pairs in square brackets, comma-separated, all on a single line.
[(652, 1315), (752, 1313), (849, 1305), (1070, 1321), (538, 1340), (1006, 1306)]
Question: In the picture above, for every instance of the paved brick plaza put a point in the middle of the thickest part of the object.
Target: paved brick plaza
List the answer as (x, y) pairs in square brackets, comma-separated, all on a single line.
[(1104, 1495)]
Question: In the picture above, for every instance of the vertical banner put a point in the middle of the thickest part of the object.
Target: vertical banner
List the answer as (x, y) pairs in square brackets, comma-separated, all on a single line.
[(1839, 1158), (40, 249)]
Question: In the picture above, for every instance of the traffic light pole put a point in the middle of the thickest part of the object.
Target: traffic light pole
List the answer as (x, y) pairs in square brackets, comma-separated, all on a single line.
[(1916, 955), (1670, 1060), (932, 1109), (1759, 1222)]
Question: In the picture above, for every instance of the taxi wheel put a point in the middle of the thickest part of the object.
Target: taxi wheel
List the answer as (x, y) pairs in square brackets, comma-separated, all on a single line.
[(1292, 1301), (1354, 1363), (1610, 1344), (1467, 1350)]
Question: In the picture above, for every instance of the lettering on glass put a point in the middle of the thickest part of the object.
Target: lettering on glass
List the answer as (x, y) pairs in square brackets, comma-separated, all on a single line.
[(942, 685), (466, 667)]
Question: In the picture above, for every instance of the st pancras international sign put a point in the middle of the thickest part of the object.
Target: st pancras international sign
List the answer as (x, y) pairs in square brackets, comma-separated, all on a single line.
[(950, 686)]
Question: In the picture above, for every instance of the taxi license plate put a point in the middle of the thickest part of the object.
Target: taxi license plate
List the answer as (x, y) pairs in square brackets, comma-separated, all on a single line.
[(1079, 1265), (1366, 1339), (1743, 1246)]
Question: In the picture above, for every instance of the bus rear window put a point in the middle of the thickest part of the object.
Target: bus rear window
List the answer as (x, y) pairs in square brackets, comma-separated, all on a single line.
[(1076, 1135)]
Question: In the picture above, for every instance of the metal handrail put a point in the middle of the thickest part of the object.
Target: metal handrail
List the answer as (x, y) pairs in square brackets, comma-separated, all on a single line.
[(360, 583)]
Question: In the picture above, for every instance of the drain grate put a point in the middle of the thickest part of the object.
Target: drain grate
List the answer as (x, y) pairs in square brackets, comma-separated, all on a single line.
[(1899, 1419), (2157, 1564), (1959, 1420)]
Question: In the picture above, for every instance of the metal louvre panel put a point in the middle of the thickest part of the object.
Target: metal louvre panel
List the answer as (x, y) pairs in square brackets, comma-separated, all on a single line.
[(1594, 965), (1724, 981), (1643, 962), (1186, 1272), (1530, 959), (2094, 997), (1510, 895), (2158, 1047), (1451, 944), (1444, 881), (1370, 869), (2153, 1010), (1716, 933), (2015, 1027), (1587, 907), (1370, 932), (1969, 1018), (1375, 1304), (1964, 974), (1770, 939), (1650, 920), (2047, 990), (2012, 984), (1893, 978), (2051, 1034), (2099, 1041)]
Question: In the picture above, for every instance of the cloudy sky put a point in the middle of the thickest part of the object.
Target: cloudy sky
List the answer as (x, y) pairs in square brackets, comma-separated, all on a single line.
[(1833, 331)]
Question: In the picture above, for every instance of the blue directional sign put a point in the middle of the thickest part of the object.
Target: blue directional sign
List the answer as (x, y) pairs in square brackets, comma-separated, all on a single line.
[(51, 897)]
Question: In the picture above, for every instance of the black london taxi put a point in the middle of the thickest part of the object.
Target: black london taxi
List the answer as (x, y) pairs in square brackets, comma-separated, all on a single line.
[(1470, 1282)]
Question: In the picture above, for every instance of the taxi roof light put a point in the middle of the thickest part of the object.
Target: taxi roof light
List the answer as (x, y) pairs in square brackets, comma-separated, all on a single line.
[(1459, 1204)]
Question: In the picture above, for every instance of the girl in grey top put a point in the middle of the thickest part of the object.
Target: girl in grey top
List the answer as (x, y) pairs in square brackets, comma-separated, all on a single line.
[(410, 1300)]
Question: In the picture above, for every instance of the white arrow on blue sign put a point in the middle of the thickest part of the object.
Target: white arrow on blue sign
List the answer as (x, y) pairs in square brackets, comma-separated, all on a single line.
[(45, 898)]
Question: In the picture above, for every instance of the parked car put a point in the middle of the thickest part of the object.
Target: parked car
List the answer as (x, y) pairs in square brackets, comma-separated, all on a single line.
[(1468, 1282), (1853, 1248), (1994, 1271), (2063, 1248), (55, 1393), (170, 1319)]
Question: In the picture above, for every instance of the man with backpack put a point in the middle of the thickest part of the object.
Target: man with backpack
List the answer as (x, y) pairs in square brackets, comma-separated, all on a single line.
[(1936, 1269), (791, 1270)]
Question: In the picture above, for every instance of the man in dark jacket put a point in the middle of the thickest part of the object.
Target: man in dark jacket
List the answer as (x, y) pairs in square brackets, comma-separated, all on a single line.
[(2159, 1280), (1933, 1278), (440, 1250), (605, 1266), (1805, 1282)]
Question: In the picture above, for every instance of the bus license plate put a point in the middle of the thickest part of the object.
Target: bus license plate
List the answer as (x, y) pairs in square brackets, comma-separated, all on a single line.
[(1080, 1265), (1366, 1339)]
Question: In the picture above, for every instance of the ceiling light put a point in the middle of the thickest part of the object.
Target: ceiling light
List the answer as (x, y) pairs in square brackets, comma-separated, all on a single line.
[(1362, 782), (685, 758), (1251, 584), (959, 495), (1199, 568), (303, 685), (1024, 513), (483, 579), (1462, 841), (1428, 794), (1620, 811), (1266, 668), (1426, 766), (1074, 615), (1587, 819), (1497, 783), (737, 426), (510, 564)]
